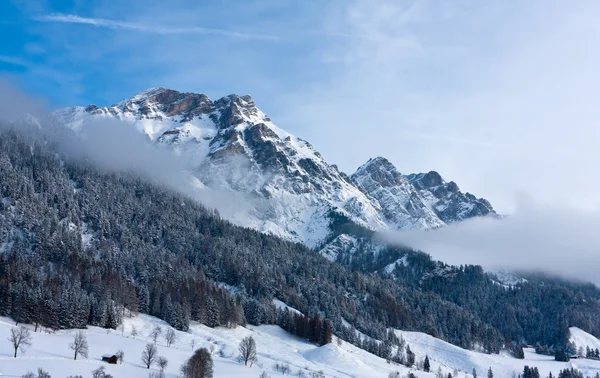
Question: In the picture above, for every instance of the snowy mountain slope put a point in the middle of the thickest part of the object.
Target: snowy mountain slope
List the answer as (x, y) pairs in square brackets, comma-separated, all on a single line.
[(234, 147), (50, 351)]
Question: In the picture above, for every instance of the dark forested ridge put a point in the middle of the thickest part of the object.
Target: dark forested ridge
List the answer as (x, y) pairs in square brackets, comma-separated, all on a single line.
[(78, 245)]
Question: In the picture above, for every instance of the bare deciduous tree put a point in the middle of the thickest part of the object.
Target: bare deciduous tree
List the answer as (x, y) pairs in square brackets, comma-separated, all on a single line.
[(79, 346), (162, 362), (170, 337), (41, 374), (193, 343), (100, 373), (282, 368), (149, 355), (248, 350), (156, 331), (200, 365), (133, 331), (120, 356), (20, 338)]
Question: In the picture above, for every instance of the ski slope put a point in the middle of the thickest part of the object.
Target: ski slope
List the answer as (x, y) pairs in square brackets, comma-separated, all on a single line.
[(51, 352)]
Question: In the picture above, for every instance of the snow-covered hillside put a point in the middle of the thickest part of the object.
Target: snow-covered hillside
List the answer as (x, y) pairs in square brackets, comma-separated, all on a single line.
[(503, 365), (292, 191), (583, 340), (51, 352)]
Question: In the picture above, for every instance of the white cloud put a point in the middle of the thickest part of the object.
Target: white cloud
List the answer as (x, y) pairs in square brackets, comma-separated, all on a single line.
[(552, 240)]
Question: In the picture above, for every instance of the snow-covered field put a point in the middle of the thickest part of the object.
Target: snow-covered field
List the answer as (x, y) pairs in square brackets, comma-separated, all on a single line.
[(51, 352)]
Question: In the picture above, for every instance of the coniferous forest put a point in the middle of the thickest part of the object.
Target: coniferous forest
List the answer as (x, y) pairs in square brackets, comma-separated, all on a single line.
[(80, 245)]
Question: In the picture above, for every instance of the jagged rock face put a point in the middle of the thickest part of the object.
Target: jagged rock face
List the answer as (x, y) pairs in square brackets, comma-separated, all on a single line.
[(290, 189), (426, 180), (401, 204), (446, 199), (152, 104)]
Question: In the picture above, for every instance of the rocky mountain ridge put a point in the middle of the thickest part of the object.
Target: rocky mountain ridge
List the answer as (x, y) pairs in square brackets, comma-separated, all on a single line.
[(292, 191)]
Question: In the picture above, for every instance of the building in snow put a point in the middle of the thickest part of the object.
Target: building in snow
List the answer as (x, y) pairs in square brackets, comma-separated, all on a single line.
[(110, 358)]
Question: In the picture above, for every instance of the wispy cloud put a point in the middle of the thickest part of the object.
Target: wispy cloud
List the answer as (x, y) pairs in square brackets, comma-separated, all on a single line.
[(13, 60), (328, 33), (155, 29)]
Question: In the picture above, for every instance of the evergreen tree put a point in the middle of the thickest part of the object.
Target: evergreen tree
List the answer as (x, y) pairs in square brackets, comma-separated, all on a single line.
[(410, 357), (426, 365), (212, 313), (561, 355)]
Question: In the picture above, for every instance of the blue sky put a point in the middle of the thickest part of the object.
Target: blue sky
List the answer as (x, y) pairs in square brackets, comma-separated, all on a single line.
[(500, 96), (75, 52)]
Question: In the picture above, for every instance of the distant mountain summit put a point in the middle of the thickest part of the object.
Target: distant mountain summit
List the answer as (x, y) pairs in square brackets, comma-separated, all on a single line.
[(292, 191)]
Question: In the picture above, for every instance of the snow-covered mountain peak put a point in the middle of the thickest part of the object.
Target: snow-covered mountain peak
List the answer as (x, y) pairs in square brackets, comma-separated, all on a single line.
[(380, 170), (291, 190), (236, 109)]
